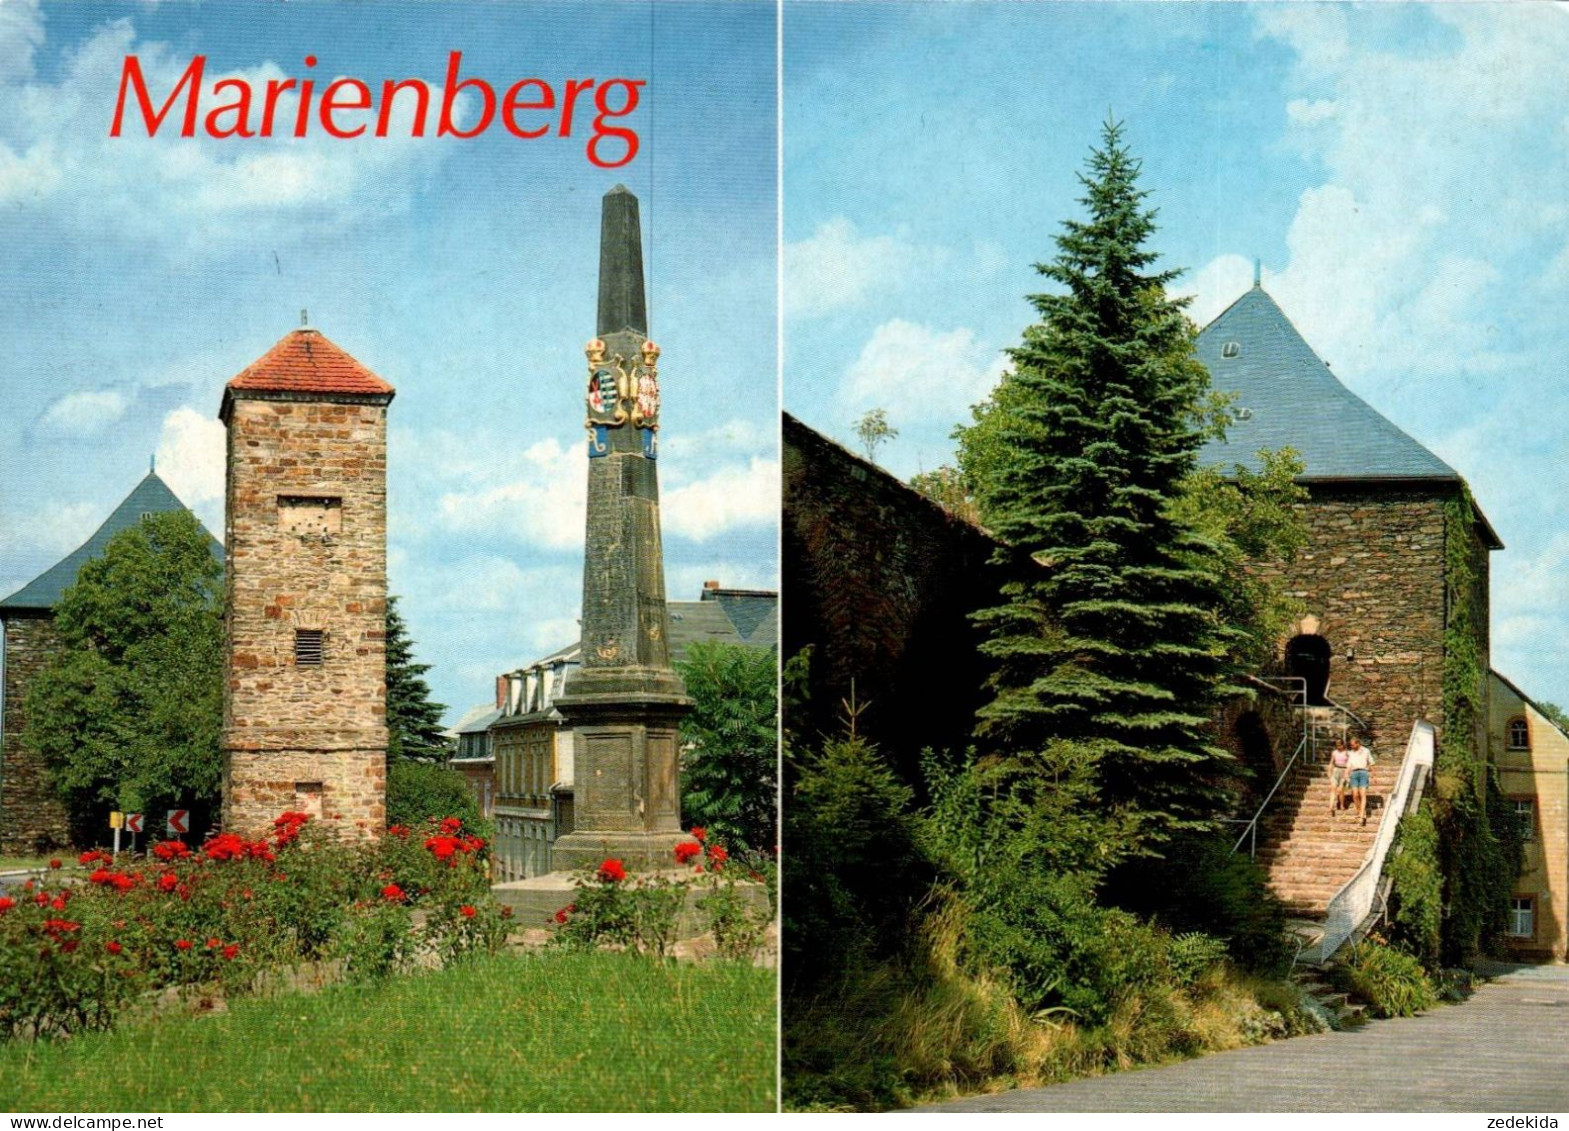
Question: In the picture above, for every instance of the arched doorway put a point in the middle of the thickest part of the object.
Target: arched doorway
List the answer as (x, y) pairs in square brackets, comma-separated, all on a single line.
[(1307, 656), (1255, 753)]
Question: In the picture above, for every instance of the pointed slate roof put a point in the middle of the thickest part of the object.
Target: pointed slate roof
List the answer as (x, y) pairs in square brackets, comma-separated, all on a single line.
[(151, 496), (1287, 397)]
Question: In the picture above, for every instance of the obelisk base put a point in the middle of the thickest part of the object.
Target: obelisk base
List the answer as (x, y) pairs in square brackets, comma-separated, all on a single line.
[(626, 783)]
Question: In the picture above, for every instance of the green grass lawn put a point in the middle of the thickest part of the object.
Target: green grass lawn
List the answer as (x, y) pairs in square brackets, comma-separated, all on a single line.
[(546, 1032), (14, 863)]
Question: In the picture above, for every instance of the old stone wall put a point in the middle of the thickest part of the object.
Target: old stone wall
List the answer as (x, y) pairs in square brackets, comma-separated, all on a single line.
[(32, 817), (1372, 583), (306, 537), (880, 582)]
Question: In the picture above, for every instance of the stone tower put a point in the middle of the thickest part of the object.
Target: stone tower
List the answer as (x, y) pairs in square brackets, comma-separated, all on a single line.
[(304, 706), (625, 702)]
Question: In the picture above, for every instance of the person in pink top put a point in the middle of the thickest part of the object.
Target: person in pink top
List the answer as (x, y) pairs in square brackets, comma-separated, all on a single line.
[(1337, 775)]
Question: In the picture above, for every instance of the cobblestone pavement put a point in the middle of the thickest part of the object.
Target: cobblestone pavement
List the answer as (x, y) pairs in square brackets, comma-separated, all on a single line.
[(1505, 1051)]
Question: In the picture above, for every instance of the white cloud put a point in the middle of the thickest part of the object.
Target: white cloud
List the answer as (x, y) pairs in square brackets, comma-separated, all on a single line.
[(79, 416), (546, 503), (917, 373), (56, 529), (1214, 286), (733, 496), (186, 196), (190, 458), (21, 33), (836, 267)]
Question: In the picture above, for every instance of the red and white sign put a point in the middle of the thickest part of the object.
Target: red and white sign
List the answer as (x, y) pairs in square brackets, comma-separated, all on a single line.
[(179, 822), (133, 822)]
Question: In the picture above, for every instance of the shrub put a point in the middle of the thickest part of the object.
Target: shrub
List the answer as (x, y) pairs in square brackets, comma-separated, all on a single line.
[(215, 917), (1393, 983), (1193, 955), (420, 791)]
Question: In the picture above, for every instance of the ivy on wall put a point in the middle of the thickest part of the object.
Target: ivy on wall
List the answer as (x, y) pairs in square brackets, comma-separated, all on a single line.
[(1460, 856)]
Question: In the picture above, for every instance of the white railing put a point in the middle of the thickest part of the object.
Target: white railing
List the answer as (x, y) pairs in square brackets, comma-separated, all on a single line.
[(1354, 901)]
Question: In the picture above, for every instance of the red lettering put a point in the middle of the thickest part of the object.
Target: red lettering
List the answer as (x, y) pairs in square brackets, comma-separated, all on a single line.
[(511, 105), (275, 87), (601, 131), (191, 81), (575, 87), (240, 108), (450, 93), (330, 104), (388, 89)]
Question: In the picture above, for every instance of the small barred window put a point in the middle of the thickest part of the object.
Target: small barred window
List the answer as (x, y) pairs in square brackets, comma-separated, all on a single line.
[(307, 646)]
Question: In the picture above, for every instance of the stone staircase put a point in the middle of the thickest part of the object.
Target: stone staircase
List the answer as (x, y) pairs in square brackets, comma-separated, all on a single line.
[(1308, 853)]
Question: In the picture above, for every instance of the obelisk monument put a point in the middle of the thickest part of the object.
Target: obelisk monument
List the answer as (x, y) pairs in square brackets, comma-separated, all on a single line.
[(624, 703)]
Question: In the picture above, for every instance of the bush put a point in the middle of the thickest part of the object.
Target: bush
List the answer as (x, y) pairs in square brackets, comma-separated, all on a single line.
[(74, 957), (1193, 955), (1393, 983), (420, 791)]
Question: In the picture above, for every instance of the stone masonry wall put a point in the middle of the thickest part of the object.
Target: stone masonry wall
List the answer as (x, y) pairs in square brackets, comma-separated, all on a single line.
[(288, 728), (880, 582), (1371, 582), (31, 814)]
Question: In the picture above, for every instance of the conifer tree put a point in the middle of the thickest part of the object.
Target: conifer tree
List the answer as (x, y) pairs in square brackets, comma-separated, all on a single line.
[(413, 720), (1116, 645)]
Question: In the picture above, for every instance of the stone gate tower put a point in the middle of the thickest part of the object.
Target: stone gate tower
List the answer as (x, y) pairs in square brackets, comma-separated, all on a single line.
[(625, 702), (304, 705)]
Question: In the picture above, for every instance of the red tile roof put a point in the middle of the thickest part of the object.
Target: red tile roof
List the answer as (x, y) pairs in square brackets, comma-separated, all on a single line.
[(306, 362)]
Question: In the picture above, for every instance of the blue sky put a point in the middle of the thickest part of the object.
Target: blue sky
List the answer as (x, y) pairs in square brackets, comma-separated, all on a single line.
[(140, 275), (1399, 169)]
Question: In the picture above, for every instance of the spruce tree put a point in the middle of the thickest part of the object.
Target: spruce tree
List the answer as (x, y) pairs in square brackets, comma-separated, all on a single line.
[(413, 720), (1115, 645)]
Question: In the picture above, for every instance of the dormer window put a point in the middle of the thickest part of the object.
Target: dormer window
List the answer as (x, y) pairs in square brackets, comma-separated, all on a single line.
[(1519, 735), (1231, 349)]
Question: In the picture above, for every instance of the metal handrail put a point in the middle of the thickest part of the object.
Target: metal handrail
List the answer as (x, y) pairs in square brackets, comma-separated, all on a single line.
[(1252, 829), (1352, 903)]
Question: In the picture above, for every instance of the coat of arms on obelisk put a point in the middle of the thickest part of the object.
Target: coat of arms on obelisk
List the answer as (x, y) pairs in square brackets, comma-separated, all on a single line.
[(619, 390)]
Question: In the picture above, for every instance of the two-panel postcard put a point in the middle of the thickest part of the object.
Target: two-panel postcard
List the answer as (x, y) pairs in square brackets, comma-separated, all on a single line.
[(783, 557)]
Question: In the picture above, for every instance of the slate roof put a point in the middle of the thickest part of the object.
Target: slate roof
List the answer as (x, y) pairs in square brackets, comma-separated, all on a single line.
[(1287, 397), (151, 495), (305, 361), (753, 612), (1292, 400)]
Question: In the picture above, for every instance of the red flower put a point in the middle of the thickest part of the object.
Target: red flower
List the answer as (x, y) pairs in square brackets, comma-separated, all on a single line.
[(100, 876), (28, 886), (42, 899), (286, 828), (113, 947), (442, 846), (699, 832), (230, 951), (717, 853), (182, 944), (69, 945), (561, 916), (6, 903), (451, 825), (55, 926), (687, 850), (56, 865), (468, 912), (506, 912), (168, 881), (93, 857), (58, 903), (211, 943), (122, 881), (171, 850), (612, 872), (399, 831), (225, 846), (392, 893)]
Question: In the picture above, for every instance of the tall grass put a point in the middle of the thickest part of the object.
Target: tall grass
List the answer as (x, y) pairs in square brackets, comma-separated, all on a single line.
[(555, 1032), (899, 1032)]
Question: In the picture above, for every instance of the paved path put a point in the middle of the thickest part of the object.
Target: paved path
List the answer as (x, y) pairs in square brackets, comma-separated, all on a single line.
[(1504, 1051)]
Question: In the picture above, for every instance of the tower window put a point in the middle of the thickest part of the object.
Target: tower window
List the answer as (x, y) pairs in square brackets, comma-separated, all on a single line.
[(310, 514), (307, 646), (1230, 349), (1519, 735)]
